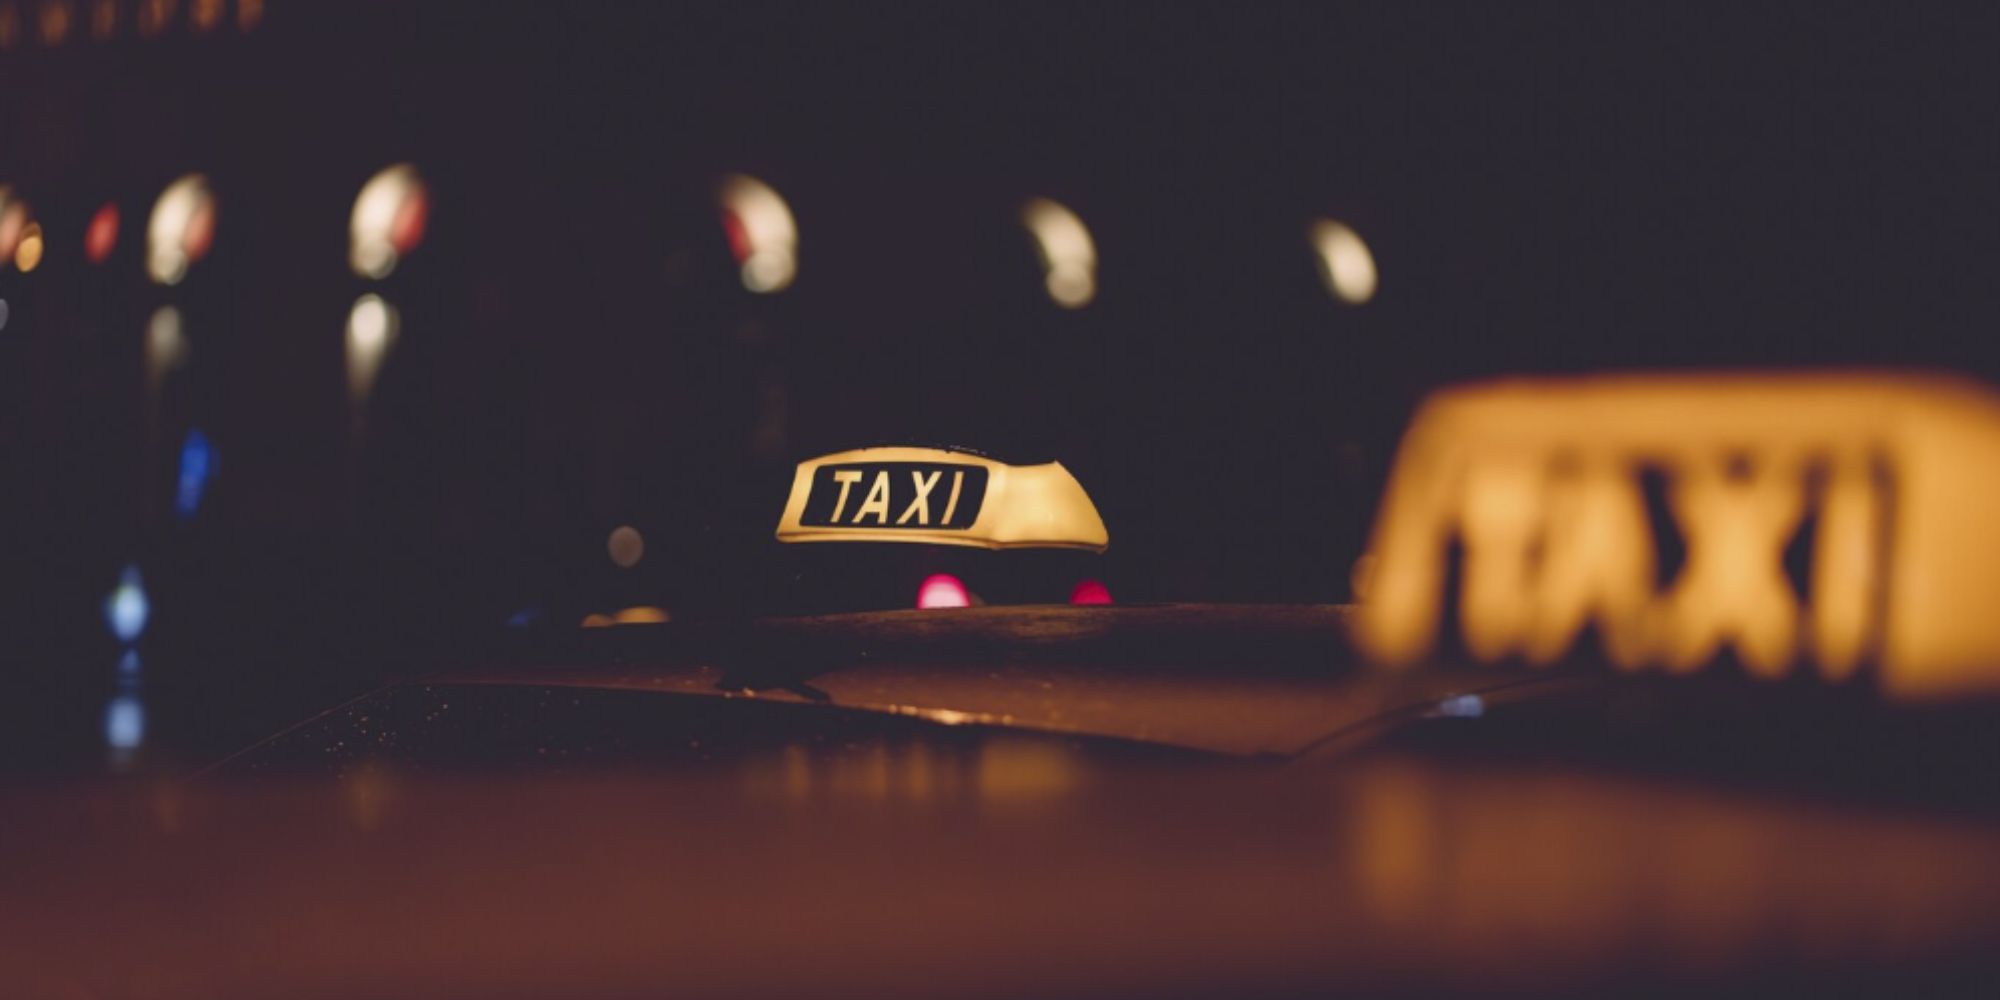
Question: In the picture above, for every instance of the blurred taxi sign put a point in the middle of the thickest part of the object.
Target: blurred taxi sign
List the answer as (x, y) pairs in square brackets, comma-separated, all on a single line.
[(1796, 521), (941, 498)]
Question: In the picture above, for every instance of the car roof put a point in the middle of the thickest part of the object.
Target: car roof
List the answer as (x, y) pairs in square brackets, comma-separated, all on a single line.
[(1234, 679), (1394, 874)]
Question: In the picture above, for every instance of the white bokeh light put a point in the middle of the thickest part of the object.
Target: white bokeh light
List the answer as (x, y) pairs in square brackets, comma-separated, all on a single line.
[(1345, 262), (372, 326), (180, 230), (763, 235), (388, 220), (127, 609), (1069, 255)]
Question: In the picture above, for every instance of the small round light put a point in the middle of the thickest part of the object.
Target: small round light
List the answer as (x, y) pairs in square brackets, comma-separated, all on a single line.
[(1090, 592), (625, 546), (103, 19), (153, 16), (102, 235), (204, 15), (942, 590), (127, 609), (166, 344), (55, 22), (1345, 263), (1069, 255), (369, 324), (181, 230), (124, 723), (14, 219), (371, 332), (28, 252), (198, 462), (763, 236), (389, 219)]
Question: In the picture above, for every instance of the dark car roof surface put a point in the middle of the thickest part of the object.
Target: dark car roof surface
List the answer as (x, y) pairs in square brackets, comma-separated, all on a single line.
[(998, 866), (1054, 877), (1236, 679)]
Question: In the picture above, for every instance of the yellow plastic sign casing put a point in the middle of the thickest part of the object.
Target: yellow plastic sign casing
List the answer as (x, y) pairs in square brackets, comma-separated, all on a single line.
[(1886, 483), (939, 497)]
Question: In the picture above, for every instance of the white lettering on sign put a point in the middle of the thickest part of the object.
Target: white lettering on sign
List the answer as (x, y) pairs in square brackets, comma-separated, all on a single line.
[(951, 503), (846, 478), (878, 498), (877, 502), (920, 506)]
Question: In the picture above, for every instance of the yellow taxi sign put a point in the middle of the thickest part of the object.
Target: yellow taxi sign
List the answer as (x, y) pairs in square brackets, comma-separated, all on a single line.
[(939, 497), (1554, 494)]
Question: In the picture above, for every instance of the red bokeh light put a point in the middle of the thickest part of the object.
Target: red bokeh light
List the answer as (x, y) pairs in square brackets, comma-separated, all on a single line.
[(739, 236), (199, 236), (407, 229), (1090, 592), (942, 590), (102, 235)]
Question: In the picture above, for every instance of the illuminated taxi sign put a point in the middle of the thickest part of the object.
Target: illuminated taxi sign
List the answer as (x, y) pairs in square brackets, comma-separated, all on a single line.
[(1658, 514), (900, 496), (939, 497)]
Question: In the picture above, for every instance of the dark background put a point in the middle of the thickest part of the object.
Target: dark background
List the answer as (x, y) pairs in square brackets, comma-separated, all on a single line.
[(1545, 188)]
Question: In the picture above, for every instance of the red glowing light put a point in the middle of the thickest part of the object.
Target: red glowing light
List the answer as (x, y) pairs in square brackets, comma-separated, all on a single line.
[(1090, 592), (102, 236), (407, 229), (942, 590), (13, 222), (199, 236), (739, 236)]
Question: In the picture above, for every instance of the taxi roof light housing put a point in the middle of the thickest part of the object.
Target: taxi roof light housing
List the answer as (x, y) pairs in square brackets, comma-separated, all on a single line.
[(939, 497), (1888, 479)]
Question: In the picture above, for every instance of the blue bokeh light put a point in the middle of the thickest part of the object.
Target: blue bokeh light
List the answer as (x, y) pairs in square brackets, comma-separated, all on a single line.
[(124, 723), (198, 461), (1462, 706)]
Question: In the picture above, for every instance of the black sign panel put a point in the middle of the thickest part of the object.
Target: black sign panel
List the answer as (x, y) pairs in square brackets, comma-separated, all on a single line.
[(895, 496)]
